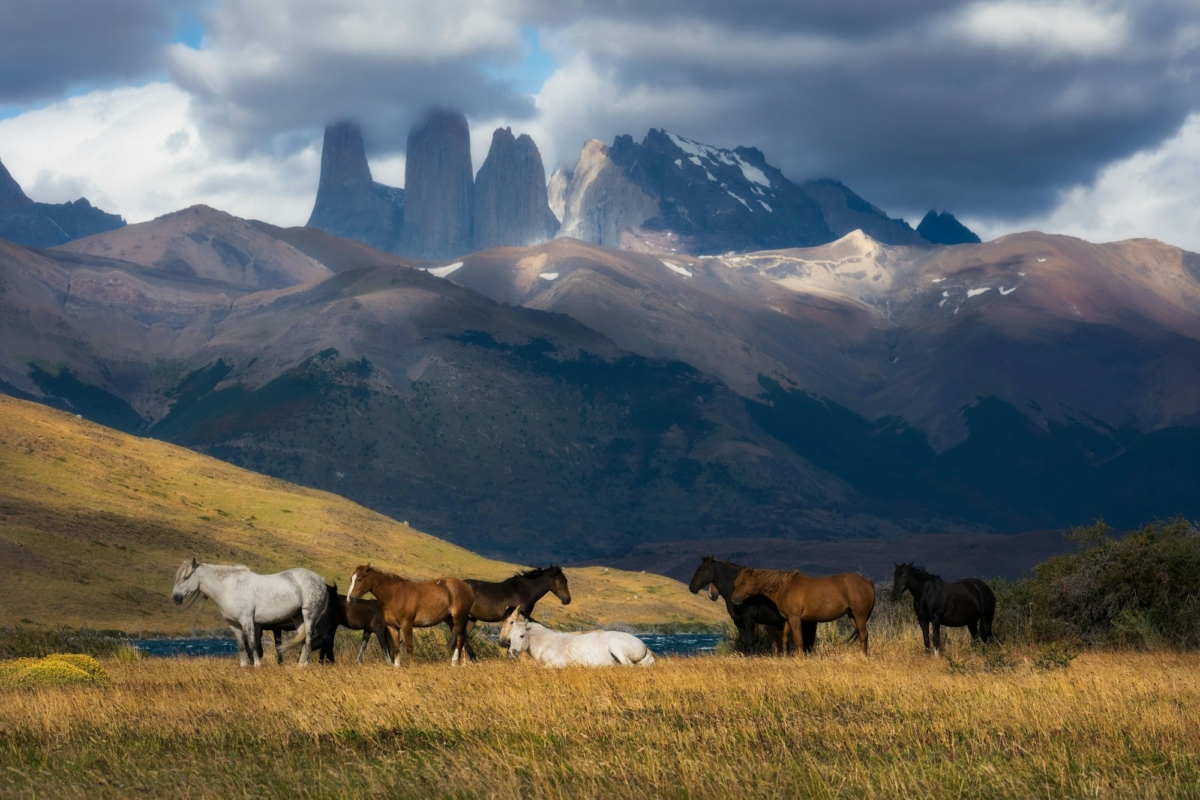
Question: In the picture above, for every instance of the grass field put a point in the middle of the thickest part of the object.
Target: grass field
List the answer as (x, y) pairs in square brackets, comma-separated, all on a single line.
[(93, 524), (990, 724)]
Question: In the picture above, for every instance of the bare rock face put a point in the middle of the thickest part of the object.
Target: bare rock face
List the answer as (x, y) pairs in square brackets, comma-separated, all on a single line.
[(845, 211), (943, 228), (11, 195), (349, 204), (601, 201), (47, 224), (440, 188), (511, 207), (556, 192)]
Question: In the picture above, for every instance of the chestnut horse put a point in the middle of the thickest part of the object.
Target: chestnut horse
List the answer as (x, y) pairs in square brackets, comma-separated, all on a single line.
[(422, 604), (802, 599)]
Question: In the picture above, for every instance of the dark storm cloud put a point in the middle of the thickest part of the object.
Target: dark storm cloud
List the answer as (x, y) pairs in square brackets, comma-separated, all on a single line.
[(985, 108), (49, 46), (273, 74)]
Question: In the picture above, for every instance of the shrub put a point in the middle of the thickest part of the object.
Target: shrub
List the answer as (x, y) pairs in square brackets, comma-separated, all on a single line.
[(1141, 591), (60, 669)]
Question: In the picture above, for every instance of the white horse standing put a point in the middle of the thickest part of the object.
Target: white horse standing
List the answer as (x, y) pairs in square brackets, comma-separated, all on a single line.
[(250, 601), (552, 649)]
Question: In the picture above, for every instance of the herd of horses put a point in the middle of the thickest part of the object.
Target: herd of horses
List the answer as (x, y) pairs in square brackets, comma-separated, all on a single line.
[(786, 604)]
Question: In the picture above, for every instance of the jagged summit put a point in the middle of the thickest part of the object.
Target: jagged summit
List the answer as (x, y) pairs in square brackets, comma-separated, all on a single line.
[(943, 228), (440, 187), (47, 224), (511, 205), (706, 200), (11, 194), (349, 203)]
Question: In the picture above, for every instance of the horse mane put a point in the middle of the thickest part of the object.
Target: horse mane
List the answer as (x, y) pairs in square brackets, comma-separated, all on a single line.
[(725, 563), (536, 572), (765, 580), (921, 572), (394, 576)]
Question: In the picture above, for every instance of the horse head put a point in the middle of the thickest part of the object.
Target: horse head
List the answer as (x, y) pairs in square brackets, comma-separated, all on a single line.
[(706, 573), (187, 582), (361, 582), (901, 579), (512, 618), (518, 635), (558, 585)]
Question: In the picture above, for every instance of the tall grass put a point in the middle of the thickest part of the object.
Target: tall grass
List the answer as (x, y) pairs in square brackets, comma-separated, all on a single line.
[(832, 725)]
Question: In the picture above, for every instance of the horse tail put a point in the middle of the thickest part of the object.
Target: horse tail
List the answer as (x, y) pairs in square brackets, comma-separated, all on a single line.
[(325, 628), (295, 641)]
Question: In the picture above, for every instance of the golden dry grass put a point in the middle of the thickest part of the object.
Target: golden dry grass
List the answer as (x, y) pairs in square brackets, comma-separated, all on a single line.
[(833, 725), (93, 523)]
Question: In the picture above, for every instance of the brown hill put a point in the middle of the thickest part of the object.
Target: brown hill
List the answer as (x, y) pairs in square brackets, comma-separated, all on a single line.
[(201, 242)]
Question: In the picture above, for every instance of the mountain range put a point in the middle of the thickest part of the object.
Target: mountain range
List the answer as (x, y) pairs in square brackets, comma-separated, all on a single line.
[(665, 194), (567, 400)]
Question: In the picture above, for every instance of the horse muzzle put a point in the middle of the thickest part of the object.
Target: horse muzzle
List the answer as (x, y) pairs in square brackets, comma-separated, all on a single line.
[(177, 598)]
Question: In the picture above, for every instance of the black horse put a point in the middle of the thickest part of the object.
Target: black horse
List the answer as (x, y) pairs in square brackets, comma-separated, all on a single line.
[(758, 610), (495, 600), (967, 602)]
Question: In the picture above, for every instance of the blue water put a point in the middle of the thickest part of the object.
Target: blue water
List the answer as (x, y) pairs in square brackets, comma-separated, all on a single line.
[(668, 644)]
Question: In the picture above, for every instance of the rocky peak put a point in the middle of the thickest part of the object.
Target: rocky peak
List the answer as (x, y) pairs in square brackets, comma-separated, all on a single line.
[(601, 201), (11, 195), (556, 192), (47, 224), (439, 187), (943, 228), (845, 211), (717, 200), (349, 204), (511, 206)]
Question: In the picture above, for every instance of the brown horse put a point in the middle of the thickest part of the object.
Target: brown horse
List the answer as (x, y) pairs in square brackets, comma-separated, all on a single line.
[(805, 601), (422, 604)]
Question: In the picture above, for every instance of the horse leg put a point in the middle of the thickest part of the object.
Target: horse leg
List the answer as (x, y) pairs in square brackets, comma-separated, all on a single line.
[(470, 625), (253, 631), (240, 638), (460, 638), (406, 629), (809, 631), (971, 626), (777, 645), (925, 633), (937, 637), (394, 638), (985, 628), (278, 634), (796, 625), (366, 639), (861, 625)]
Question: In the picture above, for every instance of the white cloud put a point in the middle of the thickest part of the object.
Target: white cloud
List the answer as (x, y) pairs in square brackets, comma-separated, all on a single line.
[(1043, 29), (1154, 193), (138, 152)]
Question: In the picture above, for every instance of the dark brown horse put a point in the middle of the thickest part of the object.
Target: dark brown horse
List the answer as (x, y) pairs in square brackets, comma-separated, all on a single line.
[(495, 600), (364, 615), (421, 604), (802, 599), (719, 577)]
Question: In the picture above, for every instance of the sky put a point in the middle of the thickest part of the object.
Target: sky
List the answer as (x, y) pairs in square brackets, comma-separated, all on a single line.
[(1069, 116)]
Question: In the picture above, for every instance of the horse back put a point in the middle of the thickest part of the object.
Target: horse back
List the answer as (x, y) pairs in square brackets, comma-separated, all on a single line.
[(462, 596)]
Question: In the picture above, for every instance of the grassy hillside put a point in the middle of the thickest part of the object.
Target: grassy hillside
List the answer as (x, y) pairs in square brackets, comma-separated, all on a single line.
[(93, 523)]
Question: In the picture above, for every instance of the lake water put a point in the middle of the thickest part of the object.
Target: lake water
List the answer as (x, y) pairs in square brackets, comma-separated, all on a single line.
[(669, 644)]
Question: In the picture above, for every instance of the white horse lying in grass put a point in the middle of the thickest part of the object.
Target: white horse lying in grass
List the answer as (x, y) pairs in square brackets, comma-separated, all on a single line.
[(552, 649), (249, 602)]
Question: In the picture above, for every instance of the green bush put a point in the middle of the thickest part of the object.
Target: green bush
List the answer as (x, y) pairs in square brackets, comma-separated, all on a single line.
[(1140, 591)]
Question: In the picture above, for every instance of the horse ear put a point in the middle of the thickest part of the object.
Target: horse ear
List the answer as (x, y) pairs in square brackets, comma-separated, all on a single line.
[(194, 562)]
